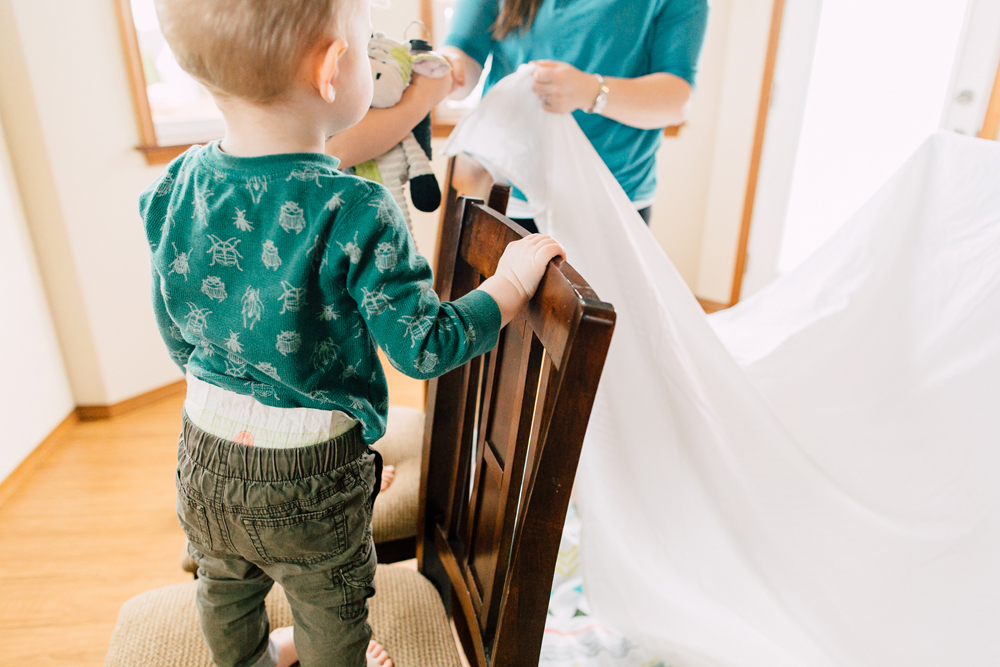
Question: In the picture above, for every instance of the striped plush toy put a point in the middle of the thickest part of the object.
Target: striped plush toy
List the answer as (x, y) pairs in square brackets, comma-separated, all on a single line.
[(392, 66)]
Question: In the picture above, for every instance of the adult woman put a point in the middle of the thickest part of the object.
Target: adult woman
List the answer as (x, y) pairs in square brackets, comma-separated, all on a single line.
[(624, 68)]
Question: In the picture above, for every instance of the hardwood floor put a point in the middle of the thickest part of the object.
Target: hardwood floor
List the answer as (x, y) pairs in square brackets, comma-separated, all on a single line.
[(92, 525)]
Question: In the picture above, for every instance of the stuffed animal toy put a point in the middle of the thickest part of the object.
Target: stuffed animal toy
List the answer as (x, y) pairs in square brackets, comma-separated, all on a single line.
[(392, 65)]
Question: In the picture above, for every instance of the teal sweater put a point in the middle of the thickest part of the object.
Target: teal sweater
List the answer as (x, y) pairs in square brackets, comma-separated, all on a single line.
[(621, 38), (279, 276)]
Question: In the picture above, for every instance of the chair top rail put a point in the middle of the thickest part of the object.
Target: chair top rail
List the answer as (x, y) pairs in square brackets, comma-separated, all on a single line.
[(563, 295)]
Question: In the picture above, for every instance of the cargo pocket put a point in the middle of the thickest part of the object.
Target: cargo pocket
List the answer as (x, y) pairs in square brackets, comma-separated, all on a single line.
[(356, 579), (303, 539), (193, 517)]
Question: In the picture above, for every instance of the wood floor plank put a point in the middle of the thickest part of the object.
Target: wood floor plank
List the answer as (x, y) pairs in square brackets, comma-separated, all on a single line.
[(92, 525)]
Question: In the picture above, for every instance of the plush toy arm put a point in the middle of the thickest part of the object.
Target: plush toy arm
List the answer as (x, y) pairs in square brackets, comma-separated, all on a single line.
[(416, 158), (430, 64), (424, 189)]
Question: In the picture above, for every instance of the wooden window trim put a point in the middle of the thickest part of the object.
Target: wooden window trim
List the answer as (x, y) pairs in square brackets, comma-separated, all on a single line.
[(439, 128), (148, 144)]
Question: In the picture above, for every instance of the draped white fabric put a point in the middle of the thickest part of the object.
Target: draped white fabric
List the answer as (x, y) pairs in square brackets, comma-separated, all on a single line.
[(813, 477)]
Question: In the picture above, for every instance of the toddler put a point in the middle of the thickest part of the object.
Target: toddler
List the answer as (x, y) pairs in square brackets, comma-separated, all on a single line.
[(275, 279)]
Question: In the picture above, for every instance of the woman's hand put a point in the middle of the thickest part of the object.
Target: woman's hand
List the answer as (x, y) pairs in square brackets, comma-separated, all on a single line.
[(465, 71), (430, 92), (648, 102), (457, 68), (563, 88)]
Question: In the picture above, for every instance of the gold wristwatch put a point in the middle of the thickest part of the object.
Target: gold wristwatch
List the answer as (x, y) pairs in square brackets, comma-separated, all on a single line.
[(601, 100)]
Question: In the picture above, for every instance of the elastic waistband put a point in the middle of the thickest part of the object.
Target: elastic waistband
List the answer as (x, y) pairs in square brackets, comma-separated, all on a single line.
[(264, 464)]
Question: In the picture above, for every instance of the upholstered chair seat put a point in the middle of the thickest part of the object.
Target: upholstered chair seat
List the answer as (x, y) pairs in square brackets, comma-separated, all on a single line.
[(159, 628), (394, 521)]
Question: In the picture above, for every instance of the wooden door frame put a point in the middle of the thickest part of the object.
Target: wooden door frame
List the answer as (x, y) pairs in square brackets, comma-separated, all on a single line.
[(991, 123), (777, 14)]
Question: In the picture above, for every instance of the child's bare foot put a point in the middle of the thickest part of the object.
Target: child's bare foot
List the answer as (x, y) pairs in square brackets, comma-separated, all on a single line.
[(285, 641), (388, 473), (377, 656)]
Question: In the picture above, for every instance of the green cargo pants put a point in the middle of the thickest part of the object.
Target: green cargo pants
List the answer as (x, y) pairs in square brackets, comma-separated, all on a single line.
[(301, 517)]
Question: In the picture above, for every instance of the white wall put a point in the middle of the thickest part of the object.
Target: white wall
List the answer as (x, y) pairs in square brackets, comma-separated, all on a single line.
[(790, 85), (703, 172), (71, 130), (737, 125), (34, 395), (684, 162), (880, 77), (394, 18), (975, 69)]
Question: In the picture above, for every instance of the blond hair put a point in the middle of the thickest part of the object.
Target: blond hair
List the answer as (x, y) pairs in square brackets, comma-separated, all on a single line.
[(251, 49)]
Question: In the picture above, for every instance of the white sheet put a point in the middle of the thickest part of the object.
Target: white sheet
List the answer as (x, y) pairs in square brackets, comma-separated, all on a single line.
[(573, 637), (823, 489)]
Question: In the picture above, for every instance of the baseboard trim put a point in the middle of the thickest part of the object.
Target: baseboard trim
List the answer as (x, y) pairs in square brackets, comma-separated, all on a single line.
[(711, 306), (10, 484), (87, 413), (82, 413)]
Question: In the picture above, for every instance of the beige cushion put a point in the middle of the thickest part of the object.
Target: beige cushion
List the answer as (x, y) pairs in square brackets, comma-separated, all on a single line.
[(395, 515), (160, 628)]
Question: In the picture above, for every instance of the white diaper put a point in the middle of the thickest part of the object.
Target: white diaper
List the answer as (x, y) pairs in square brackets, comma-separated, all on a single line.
[(240, 418)]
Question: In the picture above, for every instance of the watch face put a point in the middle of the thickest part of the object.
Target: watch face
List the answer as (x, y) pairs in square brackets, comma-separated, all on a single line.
[(601, 101)]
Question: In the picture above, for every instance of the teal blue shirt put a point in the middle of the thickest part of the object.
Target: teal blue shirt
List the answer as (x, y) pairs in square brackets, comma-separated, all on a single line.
[(619, 38), (280, 276)]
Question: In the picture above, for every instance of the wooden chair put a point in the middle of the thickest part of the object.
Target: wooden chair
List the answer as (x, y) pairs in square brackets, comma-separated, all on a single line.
[(394, 523), (501, 444)]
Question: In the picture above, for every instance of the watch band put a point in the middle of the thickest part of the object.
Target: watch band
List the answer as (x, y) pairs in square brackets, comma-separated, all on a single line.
[(601, 100)]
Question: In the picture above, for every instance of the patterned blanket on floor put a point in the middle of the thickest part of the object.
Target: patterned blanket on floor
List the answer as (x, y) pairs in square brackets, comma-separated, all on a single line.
[(572, 637)]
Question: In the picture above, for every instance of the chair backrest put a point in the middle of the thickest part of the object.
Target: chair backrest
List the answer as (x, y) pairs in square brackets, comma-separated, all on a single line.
[(503, 438)]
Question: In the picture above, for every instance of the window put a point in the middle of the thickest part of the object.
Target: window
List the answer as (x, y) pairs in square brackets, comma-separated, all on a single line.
[(173, 110)]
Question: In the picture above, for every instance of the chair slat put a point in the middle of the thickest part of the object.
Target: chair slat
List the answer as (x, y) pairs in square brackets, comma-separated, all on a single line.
[(536, 545), (475, 650)]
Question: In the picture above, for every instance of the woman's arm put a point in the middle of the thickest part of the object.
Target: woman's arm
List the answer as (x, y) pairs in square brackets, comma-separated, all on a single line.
[(647, 102), (465, 72), (381, 129)]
